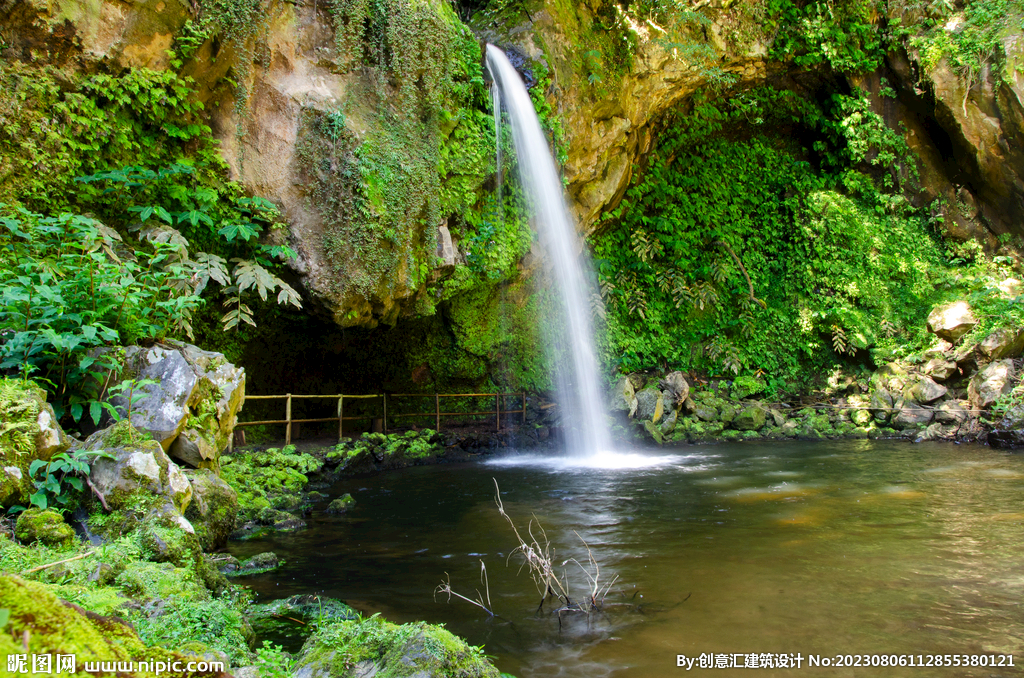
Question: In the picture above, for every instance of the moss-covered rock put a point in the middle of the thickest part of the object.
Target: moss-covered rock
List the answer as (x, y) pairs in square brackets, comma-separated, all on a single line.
[(750, 418), (290, 621), (379, 452), (341, 504), (28, 431), (377, 647), (137, 464), (213, 510), (47, 527), (257, 564), (45, 624)]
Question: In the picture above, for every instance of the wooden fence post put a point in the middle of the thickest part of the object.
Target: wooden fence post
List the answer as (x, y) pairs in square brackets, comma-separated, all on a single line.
[(341, 418), (288, 420), (437, 406)]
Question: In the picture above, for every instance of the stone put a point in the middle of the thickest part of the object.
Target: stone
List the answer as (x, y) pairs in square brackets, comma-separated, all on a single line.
[(862, 417), (676, 383), (654, 431), (728, 413), (44, 526), (705, 411), (668, 423), (649, 404), (750, 418), (934, 431), (790, 428), (192, 408), (952, 321), (912, 415), (1003, 342), (1006, 439), (342, 504), (991, 382), (940, 369), (445, 248), (778, 417), (624, 397), (134, 464), (881, 405), (213, 509), (951, 412), (30, 432), (926, 391), (257, 564)]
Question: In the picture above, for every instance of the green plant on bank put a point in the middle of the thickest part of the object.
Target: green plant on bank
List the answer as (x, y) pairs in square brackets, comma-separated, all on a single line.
[(974, 35), (273, 661), (127, 388), (268, 478), (59, 481), (731, 251)]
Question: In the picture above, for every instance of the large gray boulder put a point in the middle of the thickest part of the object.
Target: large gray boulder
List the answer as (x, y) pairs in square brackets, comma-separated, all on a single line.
[(750, 418), (213, 509), (650, 405), (911, 415), (676, 383), (881, 405), (940, 369), (951, 412), (991, 382), (136, 465), (624, 397), (926, 391), (1004, 342), (192, 408), (952, 321)]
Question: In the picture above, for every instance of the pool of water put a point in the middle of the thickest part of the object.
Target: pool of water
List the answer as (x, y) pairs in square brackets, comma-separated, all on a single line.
[(853, 547)]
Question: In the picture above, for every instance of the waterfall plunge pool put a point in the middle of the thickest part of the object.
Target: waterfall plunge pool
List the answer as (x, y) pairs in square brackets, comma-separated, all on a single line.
[(827, 548)]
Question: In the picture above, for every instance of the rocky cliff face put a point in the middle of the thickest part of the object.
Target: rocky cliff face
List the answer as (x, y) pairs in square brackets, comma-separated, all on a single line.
[(356, 152)]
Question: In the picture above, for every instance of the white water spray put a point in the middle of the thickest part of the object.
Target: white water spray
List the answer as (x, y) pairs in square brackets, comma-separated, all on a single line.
[(583, 412), (496, 104)]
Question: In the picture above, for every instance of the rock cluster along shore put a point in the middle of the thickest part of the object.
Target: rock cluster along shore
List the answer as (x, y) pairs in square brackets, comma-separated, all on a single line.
[(958, 390), (135, 545)]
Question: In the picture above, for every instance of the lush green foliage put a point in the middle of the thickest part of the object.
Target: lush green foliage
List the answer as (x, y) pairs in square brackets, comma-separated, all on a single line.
[(843, 34), (267, 479), (59, 480), (764, 235), (973, 40)]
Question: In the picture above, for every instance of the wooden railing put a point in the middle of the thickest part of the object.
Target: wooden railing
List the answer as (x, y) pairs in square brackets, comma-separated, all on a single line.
[(436, 414)]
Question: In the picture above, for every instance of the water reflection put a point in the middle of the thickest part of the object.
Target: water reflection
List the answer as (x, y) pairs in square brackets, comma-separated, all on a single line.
[(824, 548)]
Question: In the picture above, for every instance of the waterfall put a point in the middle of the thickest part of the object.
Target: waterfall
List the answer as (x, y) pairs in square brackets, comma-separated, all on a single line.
[(496, 104), (583, 412)]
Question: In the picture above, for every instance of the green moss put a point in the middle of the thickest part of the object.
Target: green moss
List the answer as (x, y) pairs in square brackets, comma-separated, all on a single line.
[(47, 527), (20, 405), (48, 625), (263, 478), (395, 650)]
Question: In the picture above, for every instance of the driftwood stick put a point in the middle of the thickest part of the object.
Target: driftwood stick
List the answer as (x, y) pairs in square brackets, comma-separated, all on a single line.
[(59, 562), (98, 494)]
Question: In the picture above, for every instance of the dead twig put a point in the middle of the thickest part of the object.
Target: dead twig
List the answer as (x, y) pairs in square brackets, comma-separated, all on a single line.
[(59, 562)]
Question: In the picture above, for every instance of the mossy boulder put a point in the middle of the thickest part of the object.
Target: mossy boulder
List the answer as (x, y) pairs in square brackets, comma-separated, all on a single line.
[(650, 404), (990, 383), (654, 431), (750, 418), (47, 527), (276, 620), (342, 504), (377, 647), (213, 510), (28, 431), (137, 464), (45, 624), (623, 398), (192, 408), (257, 564)]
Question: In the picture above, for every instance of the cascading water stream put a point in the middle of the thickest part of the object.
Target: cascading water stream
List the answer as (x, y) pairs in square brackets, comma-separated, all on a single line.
[(583, 411)]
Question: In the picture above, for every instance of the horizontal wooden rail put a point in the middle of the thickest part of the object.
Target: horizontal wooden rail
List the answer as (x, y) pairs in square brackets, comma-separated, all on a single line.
[(341, 418)]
